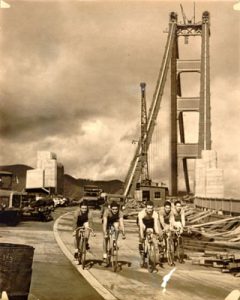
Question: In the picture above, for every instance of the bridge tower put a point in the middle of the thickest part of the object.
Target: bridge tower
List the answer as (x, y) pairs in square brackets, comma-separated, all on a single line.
[(180, 150)]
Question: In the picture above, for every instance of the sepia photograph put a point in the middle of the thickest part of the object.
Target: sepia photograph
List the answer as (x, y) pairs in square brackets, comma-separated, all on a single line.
[(120, 150)]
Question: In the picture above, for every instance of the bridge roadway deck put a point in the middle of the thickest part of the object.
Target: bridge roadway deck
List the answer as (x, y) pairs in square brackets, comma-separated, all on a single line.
[(131, 282)]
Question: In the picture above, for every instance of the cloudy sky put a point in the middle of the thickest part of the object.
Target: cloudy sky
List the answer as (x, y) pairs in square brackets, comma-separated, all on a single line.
[(69, 83)]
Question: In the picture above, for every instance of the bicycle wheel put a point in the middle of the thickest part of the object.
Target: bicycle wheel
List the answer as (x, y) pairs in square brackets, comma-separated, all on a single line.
[(161, 251), (170, 251), (142, 259), (80, 252), (114, 256), (108, 259), (180, 250), (151, 258), (84, 253)]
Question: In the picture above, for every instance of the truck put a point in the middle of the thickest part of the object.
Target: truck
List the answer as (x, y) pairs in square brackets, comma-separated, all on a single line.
[(10, 200), (92, 194)]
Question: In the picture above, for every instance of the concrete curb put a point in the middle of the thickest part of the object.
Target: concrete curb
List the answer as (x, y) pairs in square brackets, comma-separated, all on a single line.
[(85, 273)]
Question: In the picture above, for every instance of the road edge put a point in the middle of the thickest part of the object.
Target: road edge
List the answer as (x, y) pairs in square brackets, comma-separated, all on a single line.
[(85, 273)]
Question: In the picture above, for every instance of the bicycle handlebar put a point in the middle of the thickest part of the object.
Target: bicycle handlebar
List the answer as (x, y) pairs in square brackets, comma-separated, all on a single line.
[(82, 228), (109, 231), (149, 230)]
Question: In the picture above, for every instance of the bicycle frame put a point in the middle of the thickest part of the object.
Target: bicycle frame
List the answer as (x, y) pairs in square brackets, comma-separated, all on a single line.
[(169, 247), (179, 246), (149, 250), (112, 248), (173, 246), (80, 232)]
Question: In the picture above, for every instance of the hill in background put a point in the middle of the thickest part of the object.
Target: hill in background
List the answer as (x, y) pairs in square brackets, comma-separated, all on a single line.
[(73, 187)]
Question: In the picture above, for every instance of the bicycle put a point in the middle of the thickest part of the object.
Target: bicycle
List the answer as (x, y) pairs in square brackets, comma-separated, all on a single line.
[(169, 247), (149, 251), (81, 257), (179, 250), (112, 248)]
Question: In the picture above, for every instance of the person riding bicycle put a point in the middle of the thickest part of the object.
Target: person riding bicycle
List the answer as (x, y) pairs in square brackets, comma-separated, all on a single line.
[(166, 217), (82, 218), (178, 225), (147, 218), (112, 216), (104, 206), (179, 216)]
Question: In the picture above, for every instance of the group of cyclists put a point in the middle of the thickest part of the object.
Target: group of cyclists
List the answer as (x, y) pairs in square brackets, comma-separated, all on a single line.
[(112, 216), (169, 218)]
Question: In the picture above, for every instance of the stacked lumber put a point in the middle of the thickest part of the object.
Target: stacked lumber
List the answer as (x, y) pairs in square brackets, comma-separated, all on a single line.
[(194, 215), (220, 234), (216, 243), (226, 262), (224, 231)]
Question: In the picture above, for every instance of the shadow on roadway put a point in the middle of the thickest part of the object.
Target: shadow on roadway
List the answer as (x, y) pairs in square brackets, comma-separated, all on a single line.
[(98, 262)]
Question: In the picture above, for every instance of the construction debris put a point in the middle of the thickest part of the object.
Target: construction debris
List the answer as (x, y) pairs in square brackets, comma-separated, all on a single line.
[(218, 241), (227, 262)]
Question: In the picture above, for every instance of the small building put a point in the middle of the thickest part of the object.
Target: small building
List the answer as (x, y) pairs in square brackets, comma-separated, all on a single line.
[(153, 192)]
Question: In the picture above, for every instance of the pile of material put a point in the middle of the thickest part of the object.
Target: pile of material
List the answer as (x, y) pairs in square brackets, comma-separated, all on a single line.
[(134, 204), (194, 216), (216, 243), (132, 208), (227, 262)]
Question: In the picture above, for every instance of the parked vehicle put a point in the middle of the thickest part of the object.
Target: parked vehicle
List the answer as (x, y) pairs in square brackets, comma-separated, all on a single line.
[(57, 201), (60, 201), (39, 210), (64, 201), (10, 200)]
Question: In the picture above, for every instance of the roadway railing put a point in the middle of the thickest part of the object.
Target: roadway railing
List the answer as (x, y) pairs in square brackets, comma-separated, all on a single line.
[(226, 205)]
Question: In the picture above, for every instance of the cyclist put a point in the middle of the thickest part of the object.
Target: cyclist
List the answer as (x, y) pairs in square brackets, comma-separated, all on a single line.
[(103, 196), (112, 216), (147, 218), (104, 206), (166, 217), (82, 218), (179, 216), (178, 225)]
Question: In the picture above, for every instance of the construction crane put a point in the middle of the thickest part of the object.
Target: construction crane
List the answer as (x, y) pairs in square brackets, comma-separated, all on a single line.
[(144, 175), (135, 169), (180, 149), (185, 19), (183, 15)]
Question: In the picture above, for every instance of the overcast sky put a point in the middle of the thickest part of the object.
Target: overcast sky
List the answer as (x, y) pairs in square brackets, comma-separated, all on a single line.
[(69, 83)]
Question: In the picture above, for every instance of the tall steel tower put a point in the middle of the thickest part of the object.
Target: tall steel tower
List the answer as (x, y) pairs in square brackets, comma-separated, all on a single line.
[(179, 149)]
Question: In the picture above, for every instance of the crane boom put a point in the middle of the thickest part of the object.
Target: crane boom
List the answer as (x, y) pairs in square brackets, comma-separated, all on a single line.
[(134, 171), (183, 14), (144, 153)]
